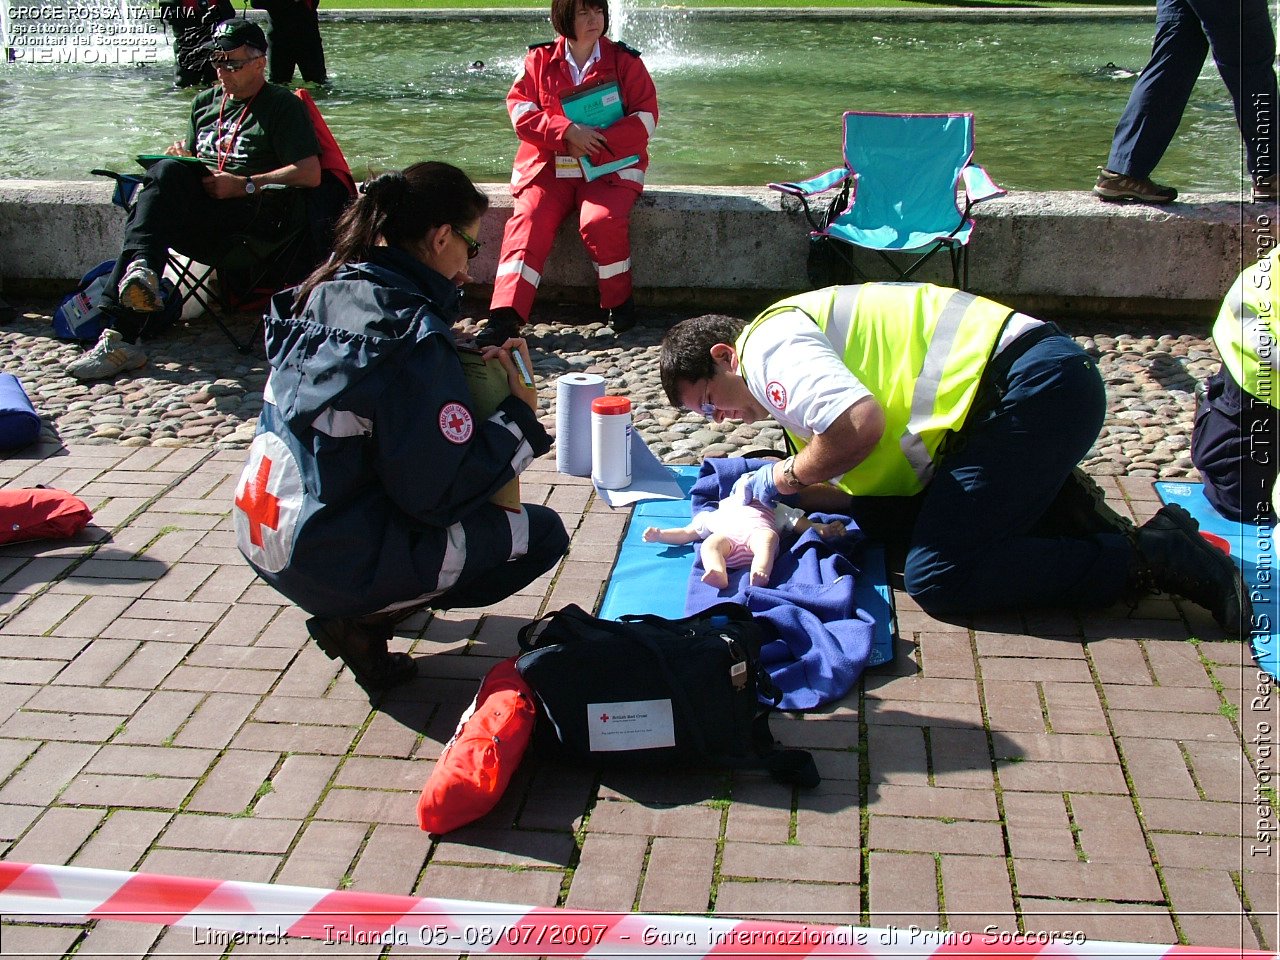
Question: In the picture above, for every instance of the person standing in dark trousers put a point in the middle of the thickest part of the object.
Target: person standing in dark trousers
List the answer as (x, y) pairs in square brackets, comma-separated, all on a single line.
[(977, 413), (293, 40), (246, 134), (1243, 42), (193, 23)]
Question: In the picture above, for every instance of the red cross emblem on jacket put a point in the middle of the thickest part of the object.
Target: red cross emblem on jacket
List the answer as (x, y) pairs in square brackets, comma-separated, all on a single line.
[(260, 506)]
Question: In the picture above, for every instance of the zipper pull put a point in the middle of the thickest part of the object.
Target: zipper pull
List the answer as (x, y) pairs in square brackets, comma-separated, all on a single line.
[(738, 671)]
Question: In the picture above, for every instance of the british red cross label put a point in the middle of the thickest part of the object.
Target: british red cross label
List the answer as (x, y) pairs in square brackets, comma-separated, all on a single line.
[(777, 395), (268, 501), (456, 423)]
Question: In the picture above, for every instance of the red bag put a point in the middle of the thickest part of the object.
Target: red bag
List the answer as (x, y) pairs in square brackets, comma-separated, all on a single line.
[(41, 513), (477, 763)]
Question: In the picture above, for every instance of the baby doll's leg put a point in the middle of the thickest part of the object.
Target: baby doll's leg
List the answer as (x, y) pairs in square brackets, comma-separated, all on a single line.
[(715, 551), (764, 550)]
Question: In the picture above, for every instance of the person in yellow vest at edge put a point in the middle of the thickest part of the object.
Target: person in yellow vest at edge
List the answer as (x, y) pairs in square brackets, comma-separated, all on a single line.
[(956, 424), (1233, 443)]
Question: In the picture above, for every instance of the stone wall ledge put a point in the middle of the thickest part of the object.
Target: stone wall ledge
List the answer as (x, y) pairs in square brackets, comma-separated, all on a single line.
[(737, 247)]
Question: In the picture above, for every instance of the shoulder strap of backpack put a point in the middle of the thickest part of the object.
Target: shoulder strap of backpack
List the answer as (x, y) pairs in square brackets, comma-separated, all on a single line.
[(530, 635), (728, 608)]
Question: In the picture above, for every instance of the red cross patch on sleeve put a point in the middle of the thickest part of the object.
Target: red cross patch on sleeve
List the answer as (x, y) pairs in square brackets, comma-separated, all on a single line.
[(777, 395), (456, 423)]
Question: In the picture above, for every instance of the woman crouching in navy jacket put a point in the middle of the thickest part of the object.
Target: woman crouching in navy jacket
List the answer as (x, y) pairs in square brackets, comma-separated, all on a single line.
[(366, 495)]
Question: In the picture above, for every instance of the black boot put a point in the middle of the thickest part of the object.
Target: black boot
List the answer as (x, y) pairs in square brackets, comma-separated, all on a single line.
[(1080, 510), (363, 648), (1175, 559), (504, 323), (623, 317)]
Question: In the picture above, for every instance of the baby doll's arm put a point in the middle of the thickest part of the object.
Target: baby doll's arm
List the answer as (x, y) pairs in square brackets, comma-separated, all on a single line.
[(827, 531), (671, 535), (794, 519)]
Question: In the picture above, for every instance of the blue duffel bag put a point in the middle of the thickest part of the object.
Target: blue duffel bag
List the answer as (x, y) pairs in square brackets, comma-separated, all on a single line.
[(19, 424)]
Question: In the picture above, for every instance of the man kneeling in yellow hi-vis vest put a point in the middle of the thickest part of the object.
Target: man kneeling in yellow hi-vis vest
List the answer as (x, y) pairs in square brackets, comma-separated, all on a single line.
[(964, 417), (1233, 444)]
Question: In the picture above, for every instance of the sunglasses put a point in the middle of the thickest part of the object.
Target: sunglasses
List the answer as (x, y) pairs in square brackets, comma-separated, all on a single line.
[(233, 66), (706, 407), (473, 245)]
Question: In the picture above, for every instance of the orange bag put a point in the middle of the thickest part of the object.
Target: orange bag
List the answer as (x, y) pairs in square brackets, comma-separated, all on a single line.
[(479, 760), (41, 513)]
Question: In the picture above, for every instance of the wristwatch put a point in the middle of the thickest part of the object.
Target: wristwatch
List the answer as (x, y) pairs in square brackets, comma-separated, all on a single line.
[(249, 185), (789, 473)]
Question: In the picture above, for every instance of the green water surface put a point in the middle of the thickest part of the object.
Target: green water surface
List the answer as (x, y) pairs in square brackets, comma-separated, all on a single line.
[(742, 101)]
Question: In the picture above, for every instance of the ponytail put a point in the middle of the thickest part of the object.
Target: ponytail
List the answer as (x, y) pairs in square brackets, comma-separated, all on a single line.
[(397, 209)]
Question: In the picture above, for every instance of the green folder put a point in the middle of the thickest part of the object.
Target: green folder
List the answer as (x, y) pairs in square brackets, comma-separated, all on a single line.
[(148, 160), (597, 105)]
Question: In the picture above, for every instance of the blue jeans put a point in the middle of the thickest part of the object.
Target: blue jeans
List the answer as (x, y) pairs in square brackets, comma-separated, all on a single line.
[(974, 547), (1244, 48)]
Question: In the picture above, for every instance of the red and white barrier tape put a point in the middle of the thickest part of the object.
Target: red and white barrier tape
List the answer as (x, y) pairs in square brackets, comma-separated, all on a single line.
[(272, 914)]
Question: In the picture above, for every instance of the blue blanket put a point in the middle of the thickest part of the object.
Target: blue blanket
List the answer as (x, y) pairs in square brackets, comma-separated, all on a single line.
[(823, 639)]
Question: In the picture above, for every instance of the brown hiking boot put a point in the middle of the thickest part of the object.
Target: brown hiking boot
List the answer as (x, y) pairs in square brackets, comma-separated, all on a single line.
[(1080, 509), (1175, 559), (363, 648), (1118, 186), (504, 323)]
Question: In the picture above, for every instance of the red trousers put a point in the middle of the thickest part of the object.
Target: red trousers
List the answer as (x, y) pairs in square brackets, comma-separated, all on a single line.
[(604, 221)]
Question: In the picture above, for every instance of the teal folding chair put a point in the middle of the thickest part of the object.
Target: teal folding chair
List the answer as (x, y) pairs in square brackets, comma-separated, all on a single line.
[(899, 194)]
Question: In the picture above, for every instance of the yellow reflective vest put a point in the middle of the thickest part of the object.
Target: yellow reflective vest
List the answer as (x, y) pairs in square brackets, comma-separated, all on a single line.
[(920, 350), (1246, 331)]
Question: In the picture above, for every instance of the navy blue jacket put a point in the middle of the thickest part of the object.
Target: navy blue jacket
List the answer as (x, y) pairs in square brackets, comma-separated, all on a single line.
[(367, 486)]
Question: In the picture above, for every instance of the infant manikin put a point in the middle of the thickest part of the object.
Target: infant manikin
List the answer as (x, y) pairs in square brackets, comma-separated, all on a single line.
[(737, 534)]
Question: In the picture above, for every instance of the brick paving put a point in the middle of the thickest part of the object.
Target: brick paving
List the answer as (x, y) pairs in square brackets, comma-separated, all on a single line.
[(160, 710)]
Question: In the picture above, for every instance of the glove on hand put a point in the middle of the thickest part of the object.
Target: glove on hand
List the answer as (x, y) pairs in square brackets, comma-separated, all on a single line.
[(761, 488)]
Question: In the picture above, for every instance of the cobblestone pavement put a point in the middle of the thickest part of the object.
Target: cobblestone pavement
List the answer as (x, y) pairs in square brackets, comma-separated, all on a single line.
[(197, 391), (162, 711)]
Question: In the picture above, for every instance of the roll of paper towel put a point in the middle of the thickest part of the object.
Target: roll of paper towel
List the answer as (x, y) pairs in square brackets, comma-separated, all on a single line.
[(574, 393)]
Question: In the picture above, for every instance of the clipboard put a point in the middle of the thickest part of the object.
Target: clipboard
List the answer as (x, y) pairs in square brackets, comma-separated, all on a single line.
[(488, 383), (598, 105)]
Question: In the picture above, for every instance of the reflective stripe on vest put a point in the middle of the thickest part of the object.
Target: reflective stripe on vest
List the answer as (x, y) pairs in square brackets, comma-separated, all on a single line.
[(920, 350), (1247, 331)]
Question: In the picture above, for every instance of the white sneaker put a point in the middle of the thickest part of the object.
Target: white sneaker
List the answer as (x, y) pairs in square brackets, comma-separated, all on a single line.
[(140, 289), (109, 356)]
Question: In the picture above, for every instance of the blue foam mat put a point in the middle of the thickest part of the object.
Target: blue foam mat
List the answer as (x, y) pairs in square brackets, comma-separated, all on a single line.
[(1253, 548), (654, 577)]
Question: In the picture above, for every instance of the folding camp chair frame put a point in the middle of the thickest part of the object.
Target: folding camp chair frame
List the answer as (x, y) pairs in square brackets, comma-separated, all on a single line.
[(971, 177), (217, 301)]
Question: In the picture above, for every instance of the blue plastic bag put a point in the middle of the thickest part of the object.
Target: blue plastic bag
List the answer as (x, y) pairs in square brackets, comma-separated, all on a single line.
[(80, 316), (19, 424)]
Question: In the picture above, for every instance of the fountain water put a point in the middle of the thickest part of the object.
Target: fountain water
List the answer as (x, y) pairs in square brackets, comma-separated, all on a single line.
[(743, 101)]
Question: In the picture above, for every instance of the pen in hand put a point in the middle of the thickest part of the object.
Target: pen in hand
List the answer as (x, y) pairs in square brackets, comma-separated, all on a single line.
[(522, 368)]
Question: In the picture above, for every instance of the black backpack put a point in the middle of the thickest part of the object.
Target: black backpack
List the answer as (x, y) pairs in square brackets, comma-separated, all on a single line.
[(655, 691)]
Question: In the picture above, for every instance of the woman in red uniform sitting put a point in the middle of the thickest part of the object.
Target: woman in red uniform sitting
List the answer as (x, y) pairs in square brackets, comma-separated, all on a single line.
[(548, 181)]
